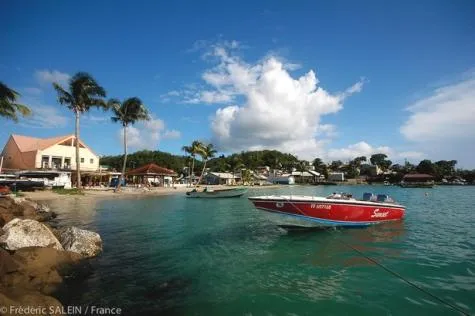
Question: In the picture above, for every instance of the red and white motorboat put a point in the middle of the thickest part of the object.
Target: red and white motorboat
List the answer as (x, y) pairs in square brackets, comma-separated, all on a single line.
[(334, 210)]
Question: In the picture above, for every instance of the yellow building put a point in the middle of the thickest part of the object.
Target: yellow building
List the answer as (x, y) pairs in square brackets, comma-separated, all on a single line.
[(28, 153)]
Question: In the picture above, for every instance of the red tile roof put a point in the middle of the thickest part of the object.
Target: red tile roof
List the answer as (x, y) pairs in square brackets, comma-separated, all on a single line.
[(151, 169), (418, 176)]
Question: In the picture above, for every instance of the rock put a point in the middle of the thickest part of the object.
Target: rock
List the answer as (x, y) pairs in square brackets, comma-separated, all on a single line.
[(5, 202), (42, 216), (27, 233), (42, 208), (18, 200), (18, 302), (5, 216), (7, 264), (43, 269), (28, 210), (84, 242)]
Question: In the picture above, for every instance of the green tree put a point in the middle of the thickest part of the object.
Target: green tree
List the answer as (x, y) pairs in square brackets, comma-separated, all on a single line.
[(196, 148), (127, 113), (320, 167), (9, 108), (235, 163), (84, 93), (426, 166), (206, 153), (445, 168), (381, 161), (335, 165), (246, 176)]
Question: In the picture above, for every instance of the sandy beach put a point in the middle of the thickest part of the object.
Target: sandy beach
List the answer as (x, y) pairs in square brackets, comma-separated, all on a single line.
[(127, 192)]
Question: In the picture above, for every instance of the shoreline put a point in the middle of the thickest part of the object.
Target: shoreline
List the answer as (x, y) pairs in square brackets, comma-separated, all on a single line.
[(108, 193)]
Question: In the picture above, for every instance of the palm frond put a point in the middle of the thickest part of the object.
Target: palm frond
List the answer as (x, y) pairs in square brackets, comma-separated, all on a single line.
[(8, 106)]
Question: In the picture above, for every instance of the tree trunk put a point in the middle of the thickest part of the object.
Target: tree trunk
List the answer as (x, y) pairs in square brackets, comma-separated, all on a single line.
[(189, 173), (122, 176), (192, 168), (78, 159), (202, 172)]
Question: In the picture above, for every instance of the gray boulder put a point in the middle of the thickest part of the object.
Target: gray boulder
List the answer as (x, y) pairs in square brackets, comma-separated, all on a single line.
[(84, 242), (20, 233)]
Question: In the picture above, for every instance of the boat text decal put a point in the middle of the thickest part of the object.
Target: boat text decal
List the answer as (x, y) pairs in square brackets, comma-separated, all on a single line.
[(321, 206), (378, 214)]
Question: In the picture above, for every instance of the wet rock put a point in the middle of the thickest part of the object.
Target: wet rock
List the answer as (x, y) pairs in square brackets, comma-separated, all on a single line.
[(27, 233), (19, 301), (43, 269), (44, 216), (84, 242), (7, 263)]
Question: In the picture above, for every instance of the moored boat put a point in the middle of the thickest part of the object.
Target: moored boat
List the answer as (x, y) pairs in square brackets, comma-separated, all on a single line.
[(334, 210), (221, 193)]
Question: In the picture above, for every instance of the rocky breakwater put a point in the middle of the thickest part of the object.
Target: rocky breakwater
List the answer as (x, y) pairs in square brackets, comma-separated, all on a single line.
[(36, 259)]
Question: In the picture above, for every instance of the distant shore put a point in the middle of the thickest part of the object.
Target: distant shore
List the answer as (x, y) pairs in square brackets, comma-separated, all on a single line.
[(127, 192)]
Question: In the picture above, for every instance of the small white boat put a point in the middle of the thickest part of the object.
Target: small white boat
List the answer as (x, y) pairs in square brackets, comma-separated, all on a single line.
[(221, 193)]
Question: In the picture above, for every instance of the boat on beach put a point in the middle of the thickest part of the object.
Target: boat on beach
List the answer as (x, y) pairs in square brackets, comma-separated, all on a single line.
[(334, 210), (221, 193)]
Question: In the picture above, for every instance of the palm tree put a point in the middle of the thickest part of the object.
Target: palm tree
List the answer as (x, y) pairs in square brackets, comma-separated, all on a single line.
[(235, 163), (127, 113), (187, 149), (8, 106), (207, 153), (302, 167), (84, 93), (196, 148)]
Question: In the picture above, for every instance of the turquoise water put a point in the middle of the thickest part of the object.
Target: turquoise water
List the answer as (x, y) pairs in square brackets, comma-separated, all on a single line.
[(177, 256)]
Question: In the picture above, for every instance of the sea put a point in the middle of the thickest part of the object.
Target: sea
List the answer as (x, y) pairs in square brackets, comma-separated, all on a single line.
[(172, 255)]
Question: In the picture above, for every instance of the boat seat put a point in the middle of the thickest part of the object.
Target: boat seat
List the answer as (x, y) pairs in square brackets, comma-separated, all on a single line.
[(382, 198), (368, 196)]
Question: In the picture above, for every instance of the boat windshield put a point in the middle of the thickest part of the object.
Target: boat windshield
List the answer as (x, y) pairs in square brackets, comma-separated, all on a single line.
[(340, 196)]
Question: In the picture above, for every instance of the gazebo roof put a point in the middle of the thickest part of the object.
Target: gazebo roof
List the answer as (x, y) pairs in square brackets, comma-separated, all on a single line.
[(151, 169)]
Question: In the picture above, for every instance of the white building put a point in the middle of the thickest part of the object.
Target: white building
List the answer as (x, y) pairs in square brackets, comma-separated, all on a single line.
[(336, 176), (283, 179), (220, 178), (59, 153)]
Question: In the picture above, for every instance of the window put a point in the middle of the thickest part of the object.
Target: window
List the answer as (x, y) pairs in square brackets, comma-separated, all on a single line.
[(91, 161), (82, 160)]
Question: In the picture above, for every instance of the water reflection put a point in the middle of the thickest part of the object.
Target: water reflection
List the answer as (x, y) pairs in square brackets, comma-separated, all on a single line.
[(333, 247), (79, 212)]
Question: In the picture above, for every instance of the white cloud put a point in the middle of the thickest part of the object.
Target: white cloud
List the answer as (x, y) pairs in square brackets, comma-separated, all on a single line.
[(171, 134), (328, 130), (364, 149), (97, 119), (45, 77), (442, 124), (278, 111), (148, 134), (45, 116), (448, 113), (32, 91)]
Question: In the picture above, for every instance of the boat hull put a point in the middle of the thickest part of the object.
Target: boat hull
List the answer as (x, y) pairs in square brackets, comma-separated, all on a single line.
[(327, 212), (213, 194)]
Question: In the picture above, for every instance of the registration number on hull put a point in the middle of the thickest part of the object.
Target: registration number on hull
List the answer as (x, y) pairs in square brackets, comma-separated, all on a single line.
[(321, 206)]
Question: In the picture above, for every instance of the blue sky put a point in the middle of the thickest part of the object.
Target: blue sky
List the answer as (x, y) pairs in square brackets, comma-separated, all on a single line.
[(329, 79)]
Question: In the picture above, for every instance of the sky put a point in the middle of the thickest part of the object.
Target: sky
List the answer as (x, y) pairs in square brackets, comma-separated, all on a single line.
[(329, 79)]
